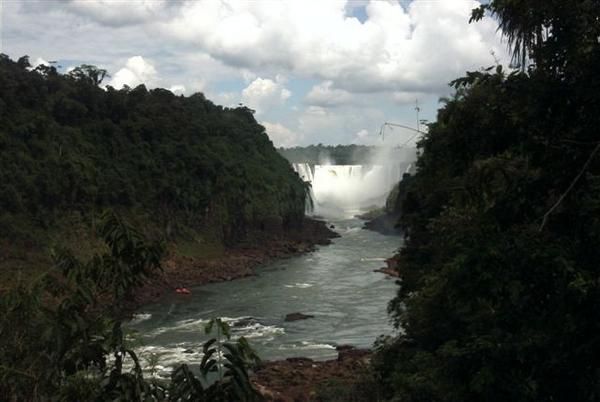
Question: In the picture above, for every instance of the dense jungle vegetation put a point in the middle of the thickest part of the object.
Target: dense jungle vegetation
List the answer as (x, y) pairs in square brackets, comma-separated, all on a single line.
[(74, 160), (177, 166), (62, 335), (500, 275)]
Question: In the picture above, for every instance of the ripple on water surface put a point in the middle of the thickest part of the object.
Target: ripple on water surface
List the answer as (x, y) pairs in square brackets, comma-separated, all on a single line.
[(335, 284)]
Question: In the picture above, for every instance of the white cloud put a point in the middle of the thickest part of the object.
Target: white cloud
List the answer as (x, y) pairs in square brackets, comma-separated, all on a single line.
[(177, 89), (366, 72), (419, 48), (285, 94), (405, 98), (324, 95), (248, 76), (40, 62), (229, 99), (121, 13), (264, 93), (281, 135), (362, 138), (340, 125), (136, 71)]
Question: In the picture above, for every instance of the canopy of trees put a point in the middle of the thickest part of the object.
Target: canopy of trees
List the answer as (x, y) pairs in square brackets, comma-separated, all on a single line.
[(68, 145), (500, 274)]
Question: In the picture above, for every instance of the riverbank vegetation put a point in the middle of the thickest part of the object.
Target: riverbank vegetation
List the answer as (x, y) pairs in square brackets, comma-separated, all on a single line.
[(63, 337), (499, 276), (180, 168)]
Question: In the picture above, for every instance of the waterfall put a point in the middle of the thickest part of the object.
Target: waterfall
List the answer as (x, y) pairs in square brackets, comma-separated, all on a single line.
[(304, 171), (345, 190)]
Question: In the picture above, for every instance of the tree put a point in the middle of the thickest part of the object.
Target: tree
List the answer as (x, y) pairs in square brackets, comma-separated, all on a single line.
[(89, 73), (499, 271)]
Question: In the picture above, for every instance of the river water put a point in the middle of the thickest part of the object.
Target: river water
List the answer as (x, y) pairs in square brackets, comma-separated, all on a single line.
[(336, 284)]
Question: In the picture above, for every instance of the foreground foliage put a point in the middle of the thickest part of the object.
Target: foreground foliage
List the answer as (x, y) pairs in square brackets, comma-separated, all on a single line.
[(62, 338), (500, 274), (223, 370)]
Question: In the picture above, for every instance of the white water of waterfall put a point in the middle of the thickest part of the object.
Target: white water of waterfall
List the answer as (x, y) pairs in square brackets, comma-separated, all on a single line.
[(346, 190)]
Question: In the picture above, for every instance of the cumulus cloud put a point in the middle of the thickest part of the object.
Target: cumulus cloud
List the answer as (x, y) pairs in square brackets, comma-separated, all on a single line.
[(363, 138), (136, 71), (177, 89), (40, 62), (415, 47), (325, 95), (281, 135), (263, 93), (122, 13), (363, 71), (394, 49), (229, 99), (405, 98), (339, 125)]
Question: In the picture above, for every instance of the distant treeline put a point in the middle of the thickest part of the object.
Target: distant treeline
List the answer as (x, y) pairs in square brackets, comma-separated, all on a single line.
[(66, 144), (345, 154)]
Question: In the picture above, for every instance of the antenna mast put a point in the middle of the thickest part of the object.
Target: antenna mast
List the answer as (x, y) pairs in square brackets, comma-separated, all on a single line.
[(418, 109)]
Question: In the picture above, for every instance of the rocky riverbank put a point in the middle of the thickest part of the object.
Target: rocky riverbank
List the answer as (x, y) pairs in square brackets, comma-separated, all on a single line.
[(302, 380), (384, 223), (237, 262), (391, 267)]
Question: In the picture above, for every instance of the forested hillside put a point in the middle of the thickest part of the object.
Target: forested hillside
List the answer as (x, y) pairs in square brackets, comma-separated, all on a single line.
[(500, 274), (70, 148)]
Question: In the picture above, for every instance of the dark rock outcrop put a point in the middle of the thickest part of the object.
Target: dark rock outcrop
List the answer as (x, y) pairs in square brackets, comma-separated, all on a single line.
[(297, 317), (391, 267)]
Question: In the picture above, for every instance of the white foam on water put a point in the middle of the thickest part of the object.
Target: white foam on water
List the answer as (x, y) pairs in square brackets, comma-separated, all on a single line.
[(305, 345), (167, 357), (373, 259), (251, 328), (300, 285), (245, 326), (137, 318), (231, 321), (189, 325)]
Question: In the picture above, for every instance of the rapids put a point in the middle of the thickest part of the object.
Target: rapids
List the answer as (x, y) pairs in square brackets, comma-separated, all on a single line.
[(336, 284)]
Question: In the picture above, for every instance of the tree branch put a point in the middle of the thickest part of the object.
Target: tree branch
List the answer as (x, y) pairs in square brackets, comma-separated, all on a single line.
[(562, 197)]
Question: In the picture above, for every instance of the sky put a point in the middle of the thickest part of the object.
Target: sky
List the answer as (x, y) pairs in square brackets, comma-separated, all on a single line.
[(315, 71)]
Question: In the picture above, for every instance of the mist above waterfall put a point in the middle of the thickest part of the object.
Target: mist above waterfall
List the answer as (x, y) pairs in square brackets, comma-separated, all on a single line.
[(346, 190)]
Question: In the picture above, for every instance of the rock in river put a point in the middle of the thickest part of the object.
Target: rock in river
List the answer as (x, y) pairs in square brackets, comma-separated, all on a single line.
[(297, 316)]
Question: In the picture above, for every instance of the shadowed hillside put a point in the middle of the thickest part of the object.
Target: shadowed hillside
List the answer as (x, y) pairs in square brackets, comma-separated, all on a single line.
[(179, 167)]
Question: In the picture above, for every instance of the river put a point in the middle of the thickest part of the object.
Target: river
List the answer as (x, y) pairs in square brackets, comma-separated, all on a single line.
[(336, 284)]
